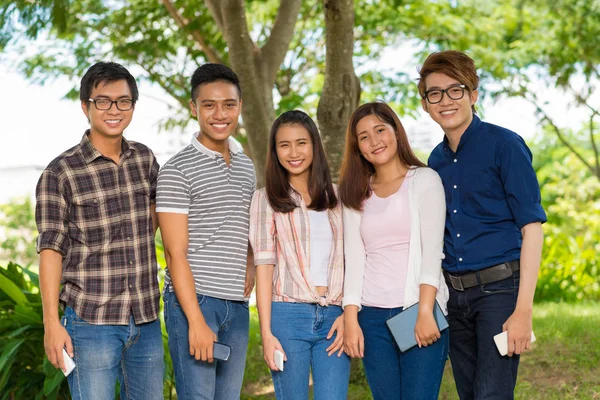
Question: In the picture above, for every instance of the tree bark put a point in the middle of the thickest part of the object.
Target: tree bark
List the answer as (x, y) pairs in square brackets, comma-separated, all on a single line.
[(341, 89), (256, 67)]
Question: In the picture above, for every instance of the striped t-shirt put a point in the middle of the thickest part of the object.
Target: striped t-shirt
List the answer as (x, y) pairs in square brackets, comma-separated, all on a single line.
[(216, 197)]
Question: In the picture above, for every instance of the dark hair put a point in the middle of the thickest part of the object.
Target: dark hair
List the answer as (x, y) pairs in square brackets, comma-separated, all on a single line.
[(209, 73), (356, 170), (455, 64), (278, 186), (106, 72)]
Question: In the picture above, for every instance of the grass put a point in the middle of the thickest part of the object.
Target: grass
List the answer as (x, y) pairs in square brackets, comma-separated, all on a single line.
[(563, 364)]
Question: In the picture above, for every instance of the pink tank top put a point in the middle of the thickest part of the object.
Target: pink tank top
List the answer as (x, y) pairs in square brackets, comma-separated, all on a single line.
[(385, 231)]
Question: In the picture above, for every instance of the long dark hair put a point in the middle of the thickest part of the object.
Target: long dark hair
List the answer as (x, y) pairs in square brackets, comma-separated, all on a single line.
[(278, 186), (356, 171)]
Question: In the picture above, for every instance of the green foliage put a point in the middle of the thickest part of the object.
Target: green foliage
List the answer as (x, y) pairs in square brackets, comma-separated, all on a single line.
[(17, 225), (571, 197), (25, 372)]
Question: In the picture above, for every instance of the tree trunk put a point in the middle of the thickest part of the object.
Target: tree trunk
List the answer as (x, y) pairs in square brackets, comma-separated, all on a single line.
[(256, 67), (341, 89)]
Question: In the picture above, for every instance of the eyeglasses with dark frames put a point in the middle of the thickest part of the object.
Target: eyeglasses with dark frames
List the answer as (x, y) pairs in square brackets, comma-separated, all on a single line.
[(106, 104), (454, 92)]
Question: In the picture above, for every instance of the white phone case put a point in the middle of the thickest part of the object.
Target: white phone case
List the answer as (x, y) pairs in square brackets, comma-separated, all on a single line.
[(279, 359), (501, 340), (69, 363)]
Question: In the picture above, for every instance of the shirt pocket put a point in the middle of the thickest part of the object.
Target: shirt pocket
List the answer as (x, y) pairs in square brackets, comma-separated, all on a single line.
[(91, 221)]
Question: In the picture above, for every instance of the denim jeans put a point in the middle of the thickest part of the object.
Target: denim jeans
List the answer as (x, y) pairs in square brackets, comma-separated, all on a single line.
[(220, 380), (132, 354), (302, 329), (392, 375), (475, 316)]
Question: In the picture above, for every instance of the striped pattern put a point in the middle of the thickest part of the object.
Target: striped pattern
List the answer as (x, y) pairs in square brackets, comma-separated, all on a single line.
[(283, 240), (216, 198), (97, 215)]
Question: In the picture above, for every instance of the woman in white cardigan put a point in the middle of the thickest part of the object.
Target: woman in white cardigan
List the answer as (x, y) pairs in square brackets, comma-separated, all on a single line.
[(394, 213)]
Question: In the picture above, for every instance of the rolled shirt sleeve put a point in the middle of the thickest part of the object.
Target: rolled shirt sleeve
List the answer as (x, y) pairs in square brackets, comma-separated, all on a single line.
[(520, 182), (51, 214), (262, 230)]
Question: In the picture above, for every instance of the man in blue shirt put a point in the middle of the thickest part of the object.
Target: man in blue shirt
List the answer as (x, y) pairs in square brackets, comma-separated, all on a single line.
[(493, 237)]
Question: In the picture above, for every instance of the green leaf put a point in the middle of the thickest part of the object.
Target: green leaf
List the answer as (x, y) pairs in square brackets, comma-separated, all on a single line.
[(52, 382), (26, 315), (8, 352), (12, 290)]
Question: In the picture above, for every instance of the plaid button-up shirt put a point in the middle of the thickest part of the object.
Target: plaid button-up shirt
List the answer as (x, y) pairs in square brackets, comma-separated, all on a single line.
[(96, 213)]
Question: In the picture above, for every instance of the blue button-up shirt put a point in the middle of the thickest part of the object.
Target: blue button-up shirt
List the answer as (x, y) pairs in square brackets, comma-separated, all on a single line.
[(491, 193)]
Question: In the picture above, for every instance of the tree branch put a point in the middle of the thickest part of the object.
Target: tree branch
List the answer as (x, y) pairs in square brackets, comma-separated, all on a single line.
[(561, 137), (215, 10), (183, 23), (155, 77), (594, 147), (276, 47)]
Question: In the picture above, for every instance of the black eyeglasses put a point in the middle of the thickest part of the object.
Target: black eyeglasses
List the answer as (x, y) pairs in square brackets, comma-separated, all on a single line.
[(454, 92), (106, 104)]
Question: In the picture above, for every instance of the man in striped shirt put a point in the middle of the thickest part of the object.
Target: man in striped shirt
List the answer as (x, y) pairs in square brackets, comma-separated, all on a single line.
[(203, 200)]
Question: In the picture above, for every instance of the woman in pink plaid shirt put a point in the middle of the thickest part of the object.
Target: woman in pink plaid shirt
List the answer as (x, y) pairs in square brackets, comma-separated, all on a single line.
[(296, 234)]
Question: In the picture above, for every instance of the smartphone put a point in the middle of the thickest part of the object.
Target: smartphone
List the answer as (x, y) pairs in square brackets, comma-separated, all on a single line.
[(279, 359), (221, 351), (69, 363), (501, 340)]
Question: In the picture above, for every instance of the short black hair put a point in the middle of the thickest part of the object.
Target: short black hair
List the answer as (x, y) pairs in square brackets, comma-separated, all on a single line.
[(209, 73), (106, 72)]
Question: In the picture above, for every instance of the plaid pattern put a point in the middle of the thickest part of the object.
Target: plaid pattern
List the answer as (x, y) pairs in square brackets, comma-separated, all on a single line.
[(283, 240), (97, 215)]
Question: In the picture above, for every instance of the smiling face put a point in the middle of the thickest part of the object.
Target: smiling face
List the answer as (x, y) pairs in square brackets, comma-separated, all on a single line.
[(112, 122), (376, 140), (454, 116), (294, 149), (217, 107)]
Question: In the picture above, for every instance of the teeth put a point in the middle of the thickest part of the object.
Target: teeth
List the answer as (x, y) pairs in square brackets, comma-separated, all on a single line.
[(377, 151), (295, 163), (220, 126), (112, 121), (448, 112)]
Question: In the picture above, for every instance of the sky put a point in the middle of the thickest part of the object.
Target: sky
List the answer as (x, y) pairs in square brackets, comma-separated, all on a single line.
[(38, 124)]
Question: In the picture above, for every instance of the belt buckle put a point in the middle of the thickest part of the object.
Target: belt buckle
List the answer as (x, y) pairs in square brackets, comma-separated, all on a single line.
[(457, 283)]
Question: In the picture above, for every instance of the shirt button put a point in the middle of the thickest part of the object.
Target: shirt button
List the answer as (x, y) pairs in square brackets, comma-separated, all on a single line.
[(130, 262), (454, 211), (128, 237), (95, 201), (455, 160), (458, 235), (460, 259), (455, 186), (130, 286)]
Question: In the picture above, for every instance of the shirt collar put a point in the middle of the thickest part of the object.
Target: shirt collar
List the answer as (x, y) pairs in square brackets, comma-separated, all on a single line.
[(471, 131), (90, 153), (234, 146)]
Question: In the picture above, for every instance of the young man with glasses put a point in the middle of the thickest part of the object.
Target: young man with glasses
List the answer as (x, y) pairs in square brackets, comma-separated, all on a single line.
[(203, 205), (493, 237), (95, 212)]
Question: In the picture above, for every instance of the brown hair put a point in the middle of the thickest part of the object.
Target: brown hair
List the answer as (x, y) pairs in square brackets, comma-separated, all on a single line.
[(278, 186), (356, 171), (455, 64)]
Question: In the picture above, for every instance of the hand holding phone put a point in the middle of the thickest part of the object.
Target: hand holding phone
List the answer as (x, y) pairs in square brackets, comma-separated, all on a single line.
[(69, 363), (501, 340), (221, 351), (278, 359)]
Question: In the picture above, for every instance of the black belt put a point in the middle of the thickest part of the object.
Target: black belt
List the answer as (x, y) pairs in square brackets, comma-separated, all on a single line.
[(487, 275)]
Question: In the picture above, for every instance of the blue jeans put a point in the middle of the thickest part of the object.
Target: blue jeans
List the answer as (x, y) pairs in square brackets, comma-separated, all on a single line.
[(220, 380), (475, 316), (132, 354), (392, 375), (302, 329)]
